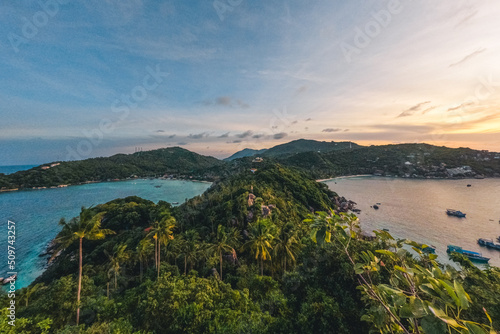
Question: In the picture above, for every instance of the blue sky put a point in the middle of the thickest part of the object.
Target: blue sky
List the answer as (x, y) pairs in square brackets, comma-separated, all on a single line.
[(93, 78)]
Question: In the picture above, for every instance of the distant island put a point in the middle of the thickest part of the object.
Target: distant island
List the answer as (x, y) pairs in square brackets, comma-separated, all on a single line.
[(317, 159)]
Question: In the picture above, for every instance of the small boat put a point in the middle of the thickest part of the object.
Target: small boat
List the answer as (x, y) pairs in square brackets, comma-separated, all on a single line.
[(455, 213), (473, 256), (488, 244), (469, 185), (375, 207), (498, 239), (429, 249), (9, 279), (157, 186)]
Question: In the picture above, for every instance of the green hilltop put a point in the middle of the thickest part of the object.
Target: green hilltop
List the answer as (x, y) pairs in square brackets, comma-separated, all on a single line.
[(174, 161)]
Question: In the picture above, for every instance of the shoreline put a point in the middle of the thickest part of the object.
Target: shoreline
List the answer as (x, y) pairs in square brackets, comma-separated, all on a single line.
[(343, 177), (210, 182), (408, 178), (95, 182)]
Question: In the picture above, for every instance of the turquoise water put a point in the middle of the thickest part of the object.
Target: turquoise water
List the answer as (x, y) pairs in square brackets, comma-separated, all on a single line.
[(415, 209), (12, 169), (36, 214)]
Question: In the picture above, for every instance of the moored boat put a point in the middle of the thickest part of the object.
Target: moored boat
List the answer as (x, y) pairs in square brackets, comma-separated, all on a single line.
[(429, 249), (455, 213), (474, 256), (488, 243)]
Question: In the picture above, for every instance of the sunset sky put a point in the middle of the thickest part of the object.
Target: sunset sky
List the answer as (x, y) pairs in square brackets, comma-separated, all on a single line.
[(97, 77)]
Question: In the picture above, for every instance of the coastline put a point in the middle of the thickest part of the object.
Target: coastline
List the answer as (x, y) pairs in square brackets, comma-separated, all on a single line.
[(97, 182), (408, 178), (343, 177)]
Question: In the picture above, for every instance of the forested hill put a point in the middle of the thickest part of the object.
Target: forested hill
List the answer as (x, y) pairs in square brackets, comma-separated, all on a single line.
[(294, 147), (286, 194), (402, 160), (304, 145), (316, 159), (247, 152), (172, 161)]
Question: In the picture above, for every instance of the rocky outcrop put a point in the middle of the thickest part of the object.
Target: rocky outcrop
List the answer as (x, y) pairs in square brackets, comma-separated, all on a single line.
[(343, 204), (251, 199), (266, 211)]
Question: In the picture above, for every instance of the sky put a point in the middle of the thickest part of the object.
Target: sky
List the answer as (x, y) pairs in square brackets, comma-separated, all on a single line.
[(91, 78)]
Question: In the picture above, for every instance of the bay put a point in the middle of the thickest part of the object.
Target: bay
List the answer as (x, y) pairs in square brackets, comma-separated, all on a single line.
[(36, 214), (416, 209)]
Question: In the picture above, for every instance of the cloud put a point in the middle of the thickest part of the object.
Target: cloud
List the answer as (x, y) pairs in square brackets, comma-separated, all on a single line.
[(301, 89), (257, 136), (182, 143), (242, 104), (244, 134), (198, 135), (225, 135), (414, 109), (428, 109), (472, 55), (280, 135), (460, 106), (470, 124), (160, 131), (309, 119), (171, 136), (237, 141), (223, 101), (467, 18), (226, 101), (331, 130), (396, 128)]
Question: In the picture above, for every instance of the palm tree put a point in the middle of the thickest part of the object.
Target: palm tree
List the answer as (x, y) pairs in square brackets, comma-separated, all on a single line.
[(144, 250), (286, 246), (189, 248), (261, 237), (224, 242), (162, 233), (31, 290), (86, 226), (120, 255)]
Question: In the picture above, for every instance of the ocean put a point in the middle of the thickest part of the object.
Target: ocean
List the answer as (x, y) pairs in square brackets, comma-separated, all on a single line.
[(416, 209), (36, 214), (15, 168)]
